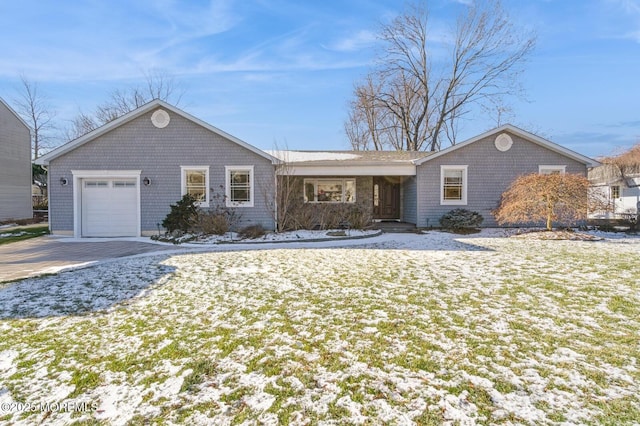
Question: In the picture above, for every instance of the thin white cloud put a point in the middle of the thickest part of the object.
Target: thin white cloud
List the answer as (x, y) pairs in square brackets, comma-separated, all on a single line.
[(629, 16), (635, 35), (188, 21), (296, 50), (114, 43), (360, 40), (99, 42), (631, 6)]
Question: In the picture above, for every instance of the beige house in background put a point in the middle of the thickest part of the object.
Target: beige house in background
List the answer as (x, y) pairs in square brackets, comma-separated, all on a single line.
[(15, 165)]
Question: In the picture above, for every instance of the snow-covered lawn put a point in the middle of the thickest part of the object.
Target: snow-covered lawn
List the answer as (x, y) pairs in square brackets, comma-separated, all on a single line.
[(396, 329)]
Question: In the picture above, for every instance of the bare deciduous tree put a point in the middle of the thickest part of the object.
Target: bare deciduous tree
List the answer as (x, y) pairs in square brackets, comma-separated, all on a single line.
[(281, 194), (624, 165), (364, 126), (552, 198), (157, 86), (417, 96), (34, 108), (80, 125)]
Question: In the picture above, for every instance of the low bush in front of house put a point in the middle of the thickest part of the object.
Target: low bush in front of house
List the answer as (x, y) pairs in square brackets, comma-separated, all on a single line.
[(318, 216), (461, 219), (216, 221), (182, 216), (212, 223), (186, 221), (252, 232)]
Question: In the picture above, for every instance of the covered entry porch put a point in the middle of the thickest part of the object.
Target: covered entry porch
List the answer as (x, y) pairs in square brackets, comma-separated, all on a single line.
[(387, 198), (381, 184)]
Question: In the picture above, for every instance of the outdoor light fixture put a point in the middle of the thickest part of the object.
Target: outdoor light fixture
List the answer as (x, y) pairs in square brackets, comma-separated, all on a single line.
[(146, 181), (63, 181)]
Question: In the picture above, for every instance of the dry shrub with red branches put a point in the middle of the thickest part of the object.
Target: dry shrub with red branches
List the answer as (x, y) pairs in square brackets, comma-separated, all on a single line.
[(555, 198)]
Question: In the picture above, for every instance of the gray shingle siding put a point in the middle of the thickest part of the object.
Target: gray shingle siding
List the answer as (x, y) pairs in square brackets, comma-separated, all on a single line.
[(15, 166), (490, 172), (409, 200), (159, 153)]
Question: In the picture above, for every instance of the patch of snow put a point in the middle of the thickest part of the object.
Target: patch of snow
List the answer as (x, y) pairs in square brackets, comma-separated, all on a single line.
[(249, 269), (13, 234), (565, 355), (458, 409), (274, 237), (519, 404), (7, 366), (355, 416), (117, 402), (500, 326), (302, 156), (261, 401)]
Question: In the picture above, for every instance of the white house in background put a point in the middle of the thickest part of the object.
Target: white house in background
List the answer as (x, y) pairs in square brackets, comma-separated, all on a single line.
[(622, 193), (15, 165)]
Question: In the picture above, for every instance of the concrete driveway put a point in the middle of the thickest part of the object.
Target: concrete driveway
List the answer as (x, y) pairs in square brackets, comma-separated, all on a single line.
[(49, 254)]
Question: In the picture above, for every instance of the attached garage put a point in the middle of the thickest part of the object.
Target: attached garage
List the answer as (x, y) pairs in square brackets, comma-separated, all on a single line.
[(107, 203), (122, 178)]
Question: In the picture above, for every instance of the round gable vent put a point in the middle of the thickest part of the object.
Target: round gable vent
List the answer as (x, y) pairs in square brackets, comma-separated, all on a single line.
[(503, 142), (160, 119)]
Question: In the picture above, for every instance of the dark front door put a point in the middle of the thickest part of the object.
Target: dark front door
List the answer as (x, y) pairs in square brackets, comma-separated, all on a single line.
[(386, 198)]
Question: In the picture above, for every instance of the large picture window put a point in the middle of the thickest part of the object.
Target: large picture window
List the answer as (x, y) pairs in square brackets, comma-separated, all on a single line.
[(195, 182), (453, 185), (329, 190), (239, 187)]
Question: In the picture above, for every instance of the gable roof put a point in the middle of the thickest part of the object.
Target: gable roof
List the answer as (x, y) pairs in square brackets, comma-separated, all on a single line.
[(130, 116), (12, 111), (589, 162)]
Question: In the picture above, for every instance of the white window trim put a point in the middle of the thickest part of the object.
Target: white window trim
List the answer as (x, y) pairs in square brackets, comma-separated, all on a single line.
[(343, 180), (79, 175), (227, 190), (611, 191), (553, 167), (183, 183), (465, 184)]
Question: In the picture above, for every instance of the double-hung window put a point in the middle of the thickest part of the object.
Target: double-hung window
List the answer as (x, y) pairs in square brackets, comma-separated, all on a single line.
[(195, 182), (453, 185), (239, 186), (329, 190), (615, 191)]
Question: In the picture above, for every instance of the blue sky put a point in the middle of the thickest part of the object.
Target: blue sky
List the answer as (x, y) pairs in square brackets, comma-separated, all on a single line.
[(282, 72)]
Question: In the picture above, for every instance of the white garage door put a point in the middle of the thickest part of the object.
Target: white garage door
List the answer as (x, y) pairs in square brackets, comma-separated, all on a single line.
[(109, 208)]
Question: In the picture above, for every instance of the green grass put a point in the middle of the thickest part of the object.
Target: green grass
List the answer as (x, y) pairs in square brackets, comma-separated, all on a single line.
[(201, 369), (20, 234), (84, 380), (306, 329)]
